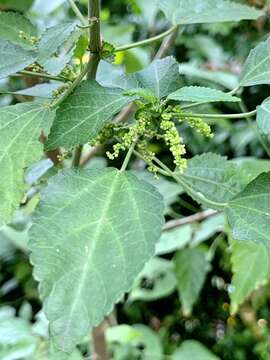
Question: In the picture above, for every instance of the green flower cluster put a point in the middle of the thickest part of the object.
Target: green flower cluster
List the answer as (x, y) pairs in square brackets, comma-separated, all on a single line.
[(32, 39)]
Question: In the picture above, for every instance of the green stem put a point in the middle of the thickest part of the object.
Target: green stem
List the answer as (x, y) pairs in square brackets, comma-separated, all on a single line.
[(76, 10), (216, 116), (128, 157), (147, 41), (77, 156), (41, 75)]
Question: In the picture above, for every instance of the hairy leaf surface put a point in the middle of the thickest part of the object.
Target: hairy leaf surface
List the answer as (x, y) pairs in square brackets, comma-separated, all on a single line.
[(206, 11), (92, 234), (249, 212), (20, 127), (84, 113)]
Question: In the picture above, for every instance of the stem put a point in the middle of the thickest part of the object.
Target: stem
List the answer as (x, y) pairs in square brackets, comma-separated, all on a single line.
[(189, 219), (147, 41), (223, 116), (77, 156), (76, 10), (41, 75), (128, 156)]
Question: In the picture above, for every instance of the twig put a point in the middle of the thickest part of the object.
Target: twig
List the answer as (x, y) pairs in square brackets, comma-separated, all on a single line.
[(189, 219)]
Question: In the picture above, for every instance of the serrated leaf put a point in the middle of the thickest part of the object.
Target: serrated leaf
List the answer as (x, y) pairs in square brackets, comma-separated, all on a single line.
[(191, 268), (256, 69), (263, 117), (53, 38), (201, 95), (206, 11), (20, 128), (84, 113), (249, 212), (212, 177), (192, 349), (10, 26), (161, 77), (250, 267), (14, 58), (95, 229)]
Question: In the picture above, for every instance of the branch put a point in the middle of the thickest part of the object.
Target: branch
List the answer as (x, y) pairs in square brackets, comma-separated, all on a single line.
[(189, 219)]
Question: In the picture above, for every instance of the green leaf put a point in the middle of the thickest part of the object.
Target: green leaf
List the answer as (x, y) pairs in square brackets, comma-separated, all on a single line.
[(191, 349), (201, 95), (53, 38), (263, 117), (256, 69), (84, 113), (249, 212), (156, 281), (250, 267), (174, 239), (10, 26), (252, 167), (92, 234), (14, 58), (208, 228), (40, 90), (191, 268), (20, 128), (212, 180), (206, 11), (161, 77)]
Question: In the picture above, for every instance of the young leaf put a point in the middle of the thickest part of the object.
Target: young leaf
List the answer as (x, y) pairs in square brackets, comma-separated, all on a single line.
[(214, 178), (191, 268), (250, 267), (20, 127), (53, 38), (191, 349), (256, 69), (14, 58), (11, 26), (201, 95), (249, 212), (161, 77), (263, 116), (92, 234), (84, 113), (206, 11)]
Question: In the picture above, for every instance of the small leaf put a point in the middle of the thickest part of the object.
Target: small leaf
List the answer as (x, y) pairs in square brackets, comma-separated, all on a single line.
[(201, 95), (53, 38), (20, 128), (161, 77), (263, 116), (14, 58), (191, 349), (212, 177), (84, 113), (156, 281), (206, 11), (256, 69), (11, 24), (249, 212), (250, 267), (92, 234), (191, 268)]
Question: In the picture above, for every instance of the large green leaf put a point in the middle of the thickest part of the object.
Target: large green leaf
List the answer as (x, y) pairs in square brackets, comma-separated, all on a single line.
[(20, 127), (161, 77), (251, 268), (14, 58), (92, 234), (256, 69), (191, 268), (212, 180), (10, 26), (201, 95), (193, 350), (206, 11), (263, 117), (84, 113), (53, 38), (249, 212)]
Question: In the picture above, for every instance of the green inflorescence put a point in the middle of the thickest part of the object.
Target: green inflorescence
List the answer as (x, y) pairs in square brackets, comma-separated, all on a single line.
[(154, 119)]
